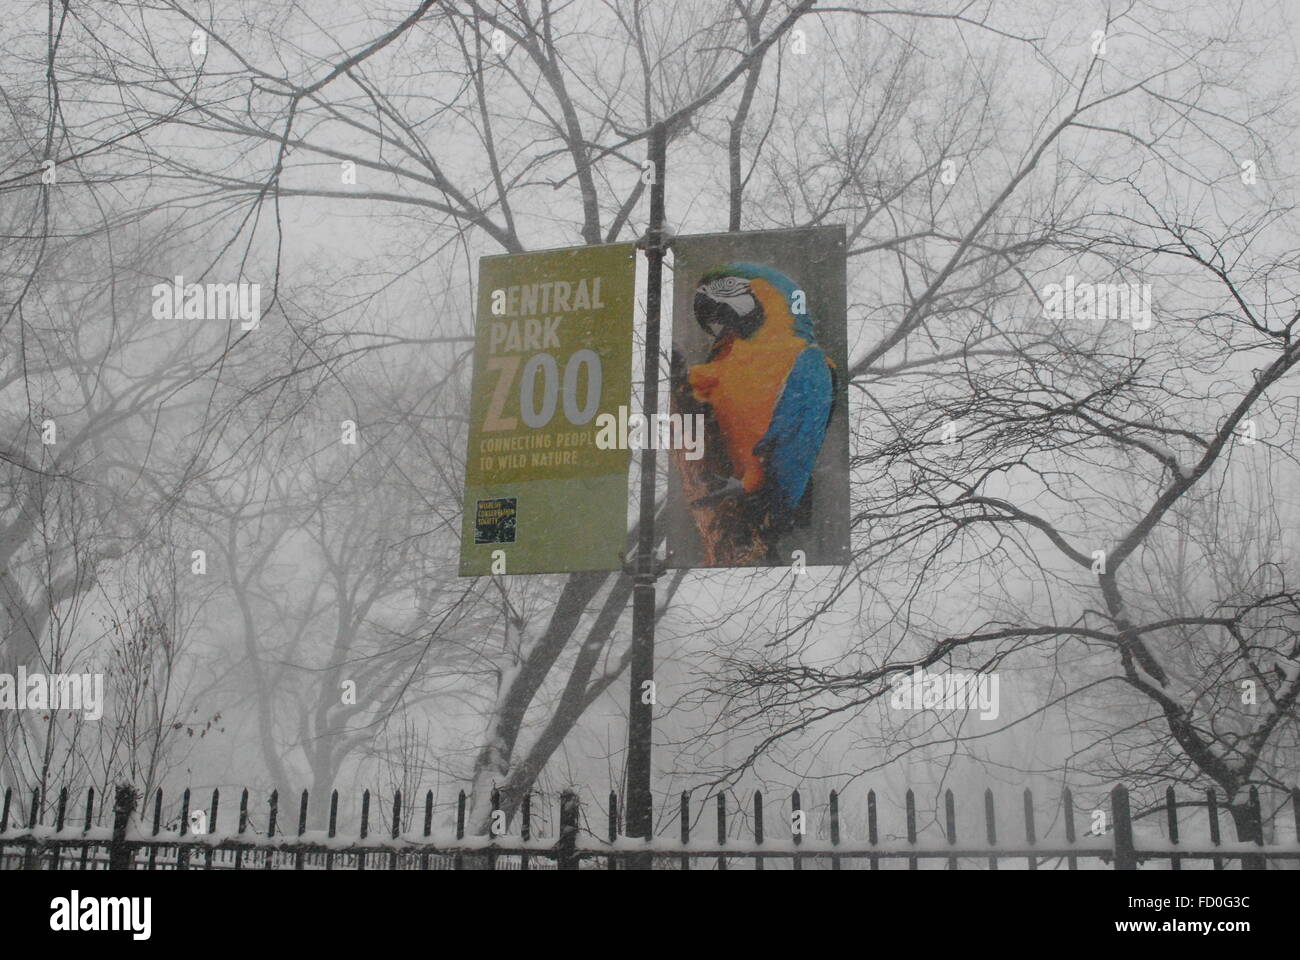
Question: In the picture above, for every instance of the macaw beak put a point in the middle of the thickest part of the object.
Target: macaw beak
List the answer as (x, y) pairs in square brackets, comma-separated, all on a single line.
[(716, 316)]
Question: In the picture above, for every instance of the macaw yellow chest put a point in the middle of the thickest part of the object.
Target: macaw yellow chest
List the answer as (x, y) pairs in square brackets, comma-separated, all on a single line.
[(742, 385)]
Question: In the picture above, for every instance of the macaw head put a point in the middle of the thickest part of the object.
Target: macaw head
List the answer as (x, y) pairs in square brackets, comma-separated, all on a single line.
[(741, 297)]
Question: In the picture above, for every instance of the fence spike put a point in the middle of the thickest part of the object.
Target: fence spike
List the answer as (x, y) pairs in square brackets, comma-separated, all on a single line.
[(758, 827)]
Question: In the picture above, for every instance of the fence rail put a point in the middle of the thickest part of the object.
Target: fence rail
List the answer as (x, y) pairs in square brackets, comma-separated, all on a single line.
[(27, 843)]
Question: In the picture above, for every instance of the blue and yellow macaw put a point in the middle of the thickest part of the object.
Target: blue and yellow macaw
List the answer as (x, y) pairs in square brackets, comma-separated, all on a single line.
[(770, 387)]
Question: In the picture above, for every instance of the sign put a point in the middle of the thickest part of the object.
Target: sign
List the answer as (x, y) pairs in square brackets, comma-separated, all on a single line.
[(552, 352), (760, 352)]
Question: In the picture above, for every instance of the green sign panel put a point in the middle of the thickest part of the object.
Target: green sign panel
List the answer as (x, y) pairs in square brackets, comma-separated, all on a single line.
[(552, 353)]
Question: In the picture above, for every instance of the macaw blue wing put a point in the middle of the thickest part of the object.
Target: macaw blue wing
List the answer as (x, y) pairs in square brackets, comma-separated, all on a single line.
[(798, 428)]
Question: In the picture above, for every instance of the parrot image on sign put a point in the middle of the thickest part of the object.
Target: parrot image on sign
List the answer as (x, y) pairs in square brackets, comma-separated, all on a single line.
[(767, 391)]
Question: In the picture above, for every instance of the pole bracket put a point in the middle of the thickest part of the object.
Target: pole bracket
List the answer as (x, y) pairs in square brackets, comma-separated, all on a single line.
[(657, 241)]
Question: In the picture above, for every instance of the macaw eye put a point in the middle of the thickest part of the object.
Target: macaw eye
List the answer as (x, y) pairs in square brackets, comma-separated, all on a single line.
[(727, 286)]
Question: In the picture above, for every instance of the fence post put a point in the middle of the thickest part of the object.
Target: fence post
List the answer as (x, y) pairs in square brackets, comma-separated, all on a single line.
[(365, 826), (492, 827), (758, 827), (872, 834), (1031, 836), (458, 862), (60, 816), (795, 827), (29, 853), (397, 827), (686, 827), (722, 828), (566, 846), (183, 849), (1125, 853), (1068, 799), (157, 824), (333, 827), (612, 862), (428, 827), (911, 826), (119, 851), (990, 825), (1212, 808), (212, 827), (4, 821), (243, 825), (950, 815), (271, 824), (302, 828), (525, 826), (1256, 827), (835, 827), (90, 813), (1171, 812)]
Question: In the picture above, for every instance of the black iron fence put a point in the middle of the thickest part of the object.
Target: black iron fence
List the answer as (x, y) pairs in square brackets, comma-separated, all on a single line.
[(136, 840)]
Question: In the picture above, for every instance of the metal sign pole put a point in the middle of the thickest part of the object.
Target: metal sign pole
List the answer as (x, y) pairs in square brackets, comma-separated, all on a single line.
[(640, 804)]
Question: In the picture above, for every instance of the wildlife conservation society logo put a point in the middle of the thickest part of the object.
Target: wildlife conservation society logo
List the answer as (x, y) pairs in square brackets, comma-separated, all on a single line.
[(494, 520)]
